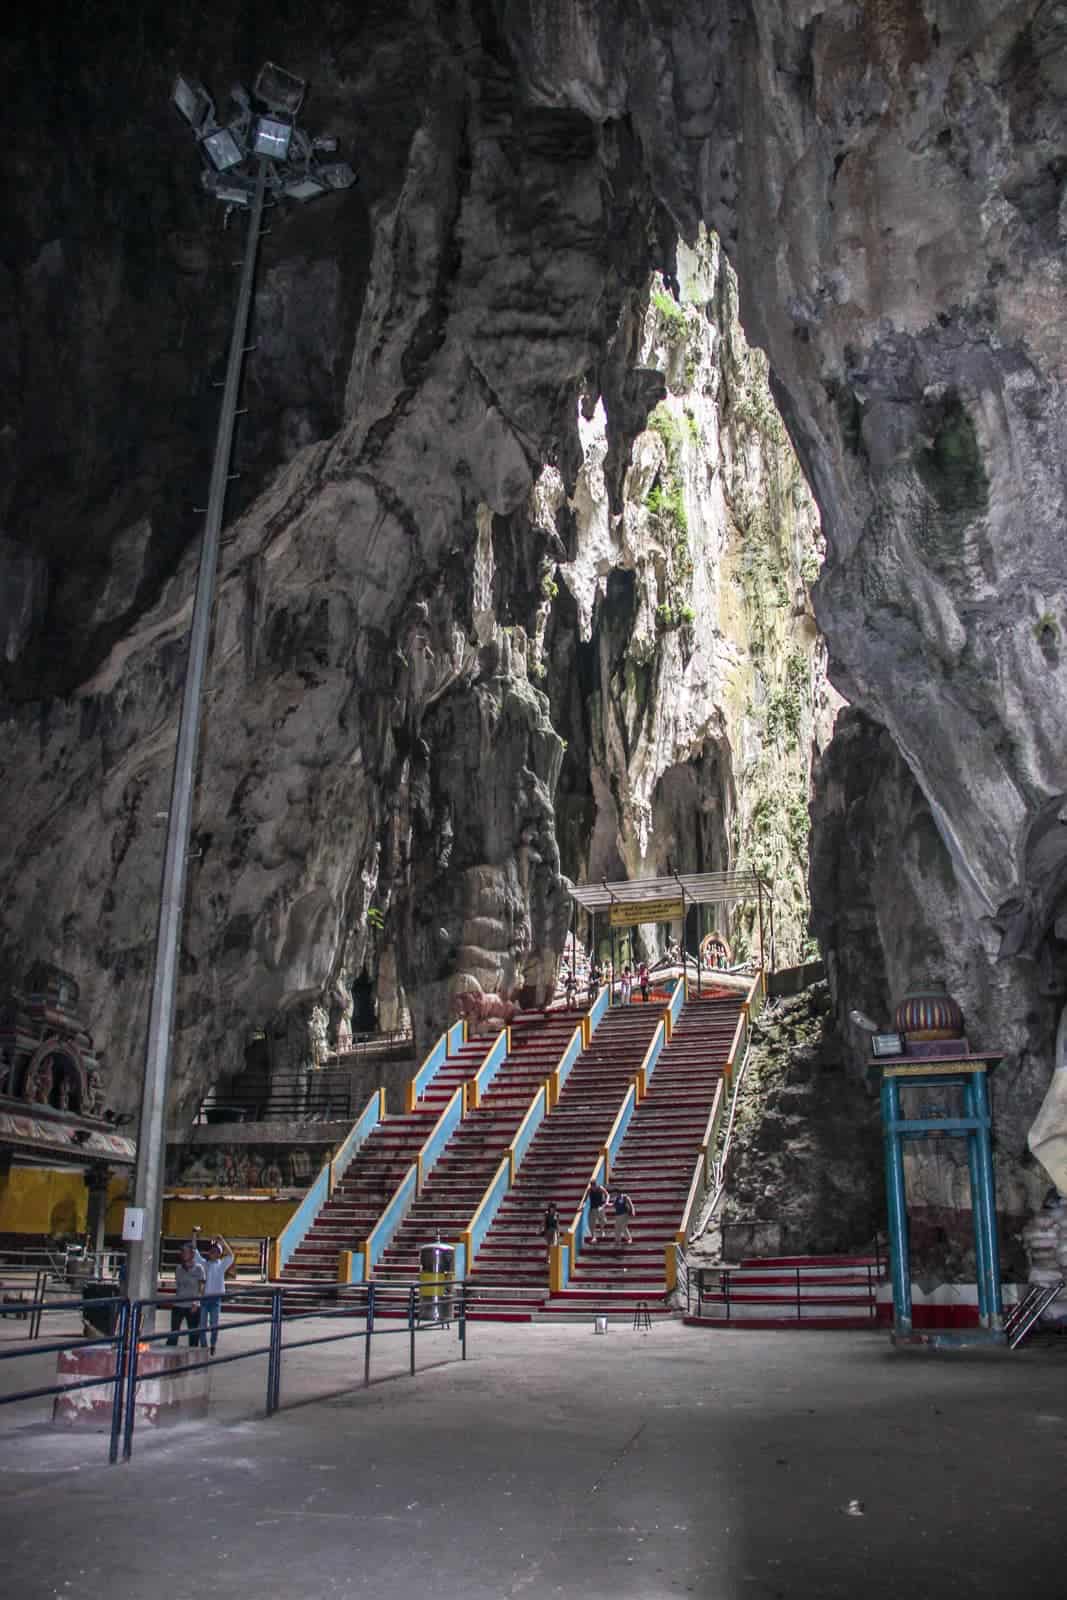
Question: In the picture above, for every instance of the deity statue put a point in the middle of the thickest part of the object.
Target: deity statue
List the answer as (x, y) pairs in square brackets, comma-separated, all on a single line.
[(39, 1084), (94, 1099), (318, 1034), (343, 996)]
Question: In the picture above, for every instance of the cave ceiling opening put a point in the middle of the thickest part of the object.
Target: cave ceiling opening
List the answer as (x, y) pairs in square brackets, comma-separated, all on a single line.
[(522, 575)]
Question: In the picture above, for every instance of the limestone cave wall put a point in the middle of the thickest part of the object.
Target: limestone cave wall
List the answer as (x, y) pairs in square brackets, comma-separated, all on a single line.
[(887, 181)]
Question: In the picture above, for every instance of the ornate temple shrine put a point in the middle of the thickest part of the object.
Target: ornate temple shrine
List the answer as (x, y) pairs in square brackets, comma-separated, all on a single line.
[(52, 1111)]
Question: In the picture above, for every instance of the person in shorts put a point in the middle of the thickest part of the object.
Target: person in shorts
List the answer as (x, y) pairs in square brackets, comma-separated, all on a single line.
[(598, 1199), (622, 1209)]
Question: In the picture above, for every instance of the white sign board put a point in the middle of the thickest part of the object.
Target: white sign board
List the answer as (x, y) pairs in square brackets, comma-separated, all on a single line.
[(133, 1222)]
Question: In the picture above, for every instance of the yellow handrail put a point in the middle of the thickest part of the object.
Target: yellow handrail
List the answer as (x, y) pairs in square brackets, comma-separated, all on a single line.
[(510, 1152), (700, 1169), (701, 1172), (457, 1094), (602, 1156), (505, 1161), (662, 1023)]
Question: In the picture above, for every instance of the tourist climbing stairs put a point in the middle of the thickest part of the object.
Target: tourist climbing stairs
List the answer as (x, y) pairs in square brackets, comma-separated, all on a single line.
[(654, 1166), (469, 1161), (509, 1276)]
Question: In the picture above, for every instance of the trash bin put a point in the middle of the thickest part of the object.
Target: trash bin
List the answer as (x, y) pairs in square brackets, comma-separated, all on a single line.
[(99, 1320), (437, 1271)]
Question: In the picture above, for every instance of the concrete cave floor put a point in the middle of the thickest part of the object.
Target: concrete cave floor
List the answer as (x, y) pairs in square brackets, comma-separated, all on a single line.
[(556, 1462)]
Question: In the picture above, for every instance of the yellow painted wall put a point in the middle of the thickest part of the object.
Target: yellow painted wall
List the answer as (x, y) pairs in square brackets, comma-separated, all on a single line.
[(37, 1201), (34, 1200), (236, 1219)]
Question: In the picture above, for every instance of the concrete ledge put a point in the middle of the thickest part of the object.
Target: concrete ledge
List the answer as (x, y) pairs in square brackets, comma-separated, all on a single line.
[(175, 1387)]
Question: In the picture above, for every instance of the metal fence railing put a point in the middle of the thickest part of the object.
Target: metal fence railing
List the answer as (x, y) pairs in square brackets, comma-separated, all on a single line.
[(371, 1310)]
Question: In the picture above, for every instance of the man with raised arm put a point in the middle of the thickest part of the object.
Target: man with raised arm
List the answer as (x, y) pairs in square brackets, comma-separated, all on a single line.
[(216, 1262)]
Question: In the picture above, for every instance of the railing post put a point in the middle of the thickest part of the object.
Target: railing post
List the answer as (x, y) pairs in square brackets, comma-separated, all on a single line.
[(274, 1358), (134, 1339), (463, 1318), (121, 1357), (368, 1333), (40, 1284), (411, 1325)]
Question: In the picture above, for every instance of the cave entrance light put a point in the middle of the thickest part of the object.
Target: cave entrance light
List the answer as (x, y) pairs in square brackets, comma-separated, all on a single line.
[(633, 902), (258, 148)]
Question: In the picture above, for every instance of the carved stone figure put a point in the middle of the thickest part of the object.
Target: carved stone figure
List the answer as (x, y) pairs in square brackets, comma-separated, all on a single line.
[(94, 1100), (343, 996), (485, 1012), (318, 1034), (39, 1084)]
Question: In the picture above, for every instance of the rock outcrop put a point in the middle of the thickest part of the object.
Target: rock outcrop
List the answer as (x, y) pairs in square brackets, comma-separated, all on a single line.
[(682, 659)]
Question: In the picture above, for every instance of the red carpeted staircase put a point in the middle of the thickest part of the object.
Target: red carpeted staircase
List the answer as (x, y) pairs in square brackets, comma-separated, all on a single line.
[(655, 1165), (454, 1189), (375, 1172), (558, 1163)]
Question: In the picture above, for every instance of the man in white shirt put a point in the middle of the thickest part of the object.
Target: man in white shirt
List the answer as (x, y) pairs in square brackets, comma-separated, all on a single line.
[(188, 1289), (216, 1262)]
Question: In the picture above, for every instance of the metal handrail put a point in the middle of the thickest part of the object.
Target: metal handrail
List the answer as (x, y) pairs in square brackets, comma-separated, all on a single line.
[(131, 1339), (725, 1272), (1022, 1317)]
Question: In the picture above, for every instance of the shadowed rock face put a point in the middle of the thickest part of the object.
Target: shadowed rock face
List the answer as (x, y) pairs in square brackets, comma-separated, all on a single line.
[(887, 180)]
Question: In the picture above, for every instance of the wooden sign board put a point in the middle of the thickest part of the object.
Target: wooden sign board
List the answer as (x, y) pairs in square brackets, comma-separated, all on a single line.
[(632, 916)]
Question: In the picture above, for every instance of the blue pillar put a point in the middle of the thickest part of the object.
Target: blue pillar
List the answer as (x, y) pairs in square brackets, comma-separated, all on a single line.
[(985, 1213), (897, 1206), (981, 1254)]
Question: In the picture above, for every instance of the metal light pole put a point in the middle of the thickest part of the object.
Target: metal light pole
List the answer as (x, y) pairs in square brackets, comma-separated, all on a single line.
[(241, 178), (152, 1135)]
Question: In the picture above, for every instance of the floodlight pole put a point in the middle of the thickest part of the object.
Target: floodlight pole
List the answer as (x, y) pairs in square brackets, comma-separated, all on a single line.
[(142, 1276)]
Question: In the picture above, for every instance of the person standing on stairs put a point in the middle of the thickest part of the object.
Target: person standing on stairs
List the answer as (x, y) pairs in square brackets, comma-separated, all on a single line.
[(642, 978), (216, 1264), (622, 1209), (550, 1229), (598, 1199)]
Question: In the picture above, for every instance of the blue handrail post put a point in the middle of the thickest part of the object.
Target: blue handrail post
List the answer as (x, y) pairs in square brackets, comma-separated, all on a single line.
[(121, 1357)]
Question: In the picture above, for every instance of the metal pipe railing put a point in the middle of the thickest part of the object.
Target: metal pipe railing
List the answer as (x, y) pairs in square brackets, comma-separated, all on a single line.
[(131, 1340)]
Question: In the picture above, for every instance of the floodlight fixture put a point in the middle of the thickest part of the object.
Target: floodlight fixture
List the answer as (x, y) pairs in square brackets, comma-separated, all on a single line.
[(336, 174), (230, 187), (279, 90), (303, 187), (194, 103), (223, 148), (271, 137)]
